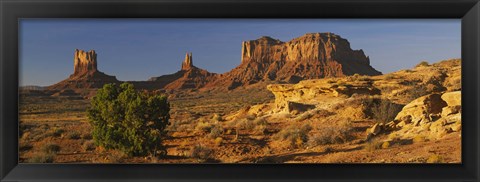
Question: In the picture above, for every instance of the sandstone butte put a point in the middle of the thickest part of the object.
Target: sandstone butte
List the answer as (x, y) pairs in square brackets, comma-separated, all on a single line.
[(313, 55), (85, 73)]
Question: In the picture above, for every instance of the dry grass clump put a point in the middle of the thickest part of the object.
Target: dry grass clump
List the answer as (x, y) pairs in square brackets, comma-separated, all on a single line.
[(332, 134), (56, 132), (87, 136), (358, 77), (297, 136), (50, 148), (252, 125), (385, 111), (435, 159), (203, 126), (24, 146), (373, 145), (422, 64), (385, 145), (218, 141), (419, 139), (201, 153), (88, 145), (216, 131), (74, 135), (41, 157)]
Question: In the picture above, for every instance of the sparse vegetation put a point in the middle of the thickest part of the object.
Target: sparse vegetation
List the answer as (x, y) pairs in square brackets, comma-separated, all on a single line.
[(423, 63), (332, 135), (50, 148), (201, 153), (74, 135), (385, 111), (218, 141), (372, 145), (42, 158), (297, 136), (435, 159), (88, 145), (216, 131)]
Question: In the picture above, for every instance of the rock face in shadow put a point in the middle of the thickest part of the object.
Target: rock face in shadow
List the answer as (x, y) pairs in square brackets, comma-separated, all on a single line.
[(313, 55), (85, 74)]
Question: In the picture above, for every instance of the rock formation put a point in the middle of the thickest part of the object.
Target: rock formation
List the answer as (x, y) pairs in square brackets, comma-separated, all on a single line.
[(311, 92), (188, 62), (314, 55), (85, 75), (431, 116), (84, 62), (189, 77)]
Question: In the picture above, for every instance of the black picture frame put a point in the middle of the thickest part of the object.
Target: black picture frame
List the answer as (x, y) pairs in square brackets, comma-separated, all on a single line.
[(466, 10)]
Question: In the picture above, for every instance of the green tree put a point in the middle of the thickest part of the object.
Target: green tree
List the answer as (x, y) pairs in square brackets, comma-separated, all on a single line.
[(133, 122)]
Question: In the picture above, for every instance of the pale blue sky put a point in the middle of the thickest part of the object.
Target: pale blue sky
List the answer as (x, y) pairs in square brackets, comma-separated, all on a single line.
[(137, 49)]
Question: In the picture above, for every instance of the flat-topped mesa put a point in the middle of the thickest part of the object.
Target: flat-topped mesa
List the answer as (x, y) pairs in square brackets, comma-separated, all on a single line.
[(311, 56), (84, 62), (188, 62)]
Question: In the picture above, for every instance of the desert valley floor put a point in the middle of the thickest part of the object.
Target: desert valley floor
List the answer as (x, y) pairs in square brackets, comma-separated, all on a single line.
[(330, 120)]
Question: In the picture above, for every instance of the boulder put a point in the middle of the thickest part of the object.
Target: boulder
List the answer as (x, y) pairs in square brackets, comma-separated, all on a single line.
[(449, 110), (422, 108), (375, 129), (453, 98)]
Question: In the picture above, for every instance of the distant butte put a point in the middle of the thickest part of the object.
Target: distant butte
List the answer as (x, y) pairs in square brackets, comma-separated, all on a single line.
[(85, 74)]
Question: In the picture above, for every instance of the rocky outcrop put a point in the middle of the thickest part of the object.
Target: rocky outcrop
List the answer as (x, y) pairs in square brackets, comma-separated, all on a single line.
[(431, 116), (314, 55), (85, 75), (311, 92)]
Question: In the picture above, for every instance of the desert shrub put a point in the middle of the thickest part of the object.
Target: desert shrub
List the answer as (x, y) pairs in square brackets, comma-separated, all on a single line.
[(216, 131), (423, 63), (24, 146), (417, 91), (218, 141), (419, 139), (56, 132), (332, 134), (217, 117), (385, 145), (372, 145), (385, 111), (50, 148), (73, 135), (201, 152), (203, 126), (297, 136), (41, 158), (87, 136), (88, 145), (246, 124), (130, 121), (260, 121), (435, 159)]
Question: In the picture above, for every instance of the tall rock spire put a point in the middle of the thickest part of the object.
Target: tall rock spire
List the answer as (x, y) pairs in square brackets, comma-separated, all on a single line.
[(84, 62), (188, 62)]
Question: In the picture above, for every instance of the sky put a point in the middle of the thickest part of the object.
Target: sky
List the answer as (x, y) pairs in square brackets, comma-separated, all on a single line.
[(137, 49)]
